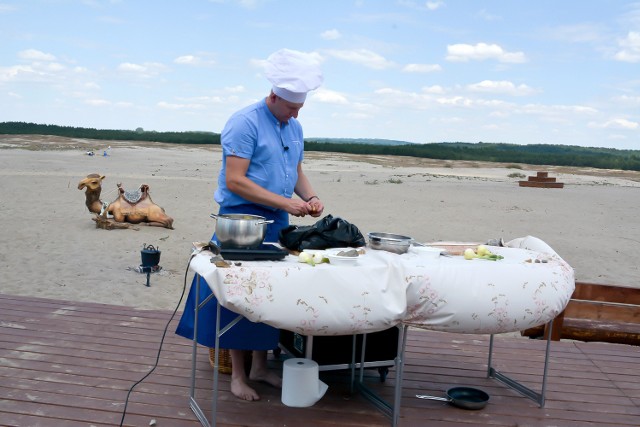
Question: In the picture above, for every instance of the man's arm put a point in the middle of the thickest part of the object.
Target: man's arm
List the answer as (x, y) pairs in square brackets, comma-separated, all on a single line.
[(305, 191), (237, 182)]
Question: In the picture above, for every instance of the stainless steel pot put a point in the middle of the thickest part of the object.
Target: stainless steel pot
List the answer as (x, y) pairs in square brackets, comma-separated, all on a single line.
[(240, 231), (389, 242)]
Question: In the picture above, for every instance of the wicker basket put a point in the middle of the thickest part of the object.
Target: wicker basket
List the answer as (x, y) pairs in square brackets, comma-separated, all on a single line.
[(224, 360)]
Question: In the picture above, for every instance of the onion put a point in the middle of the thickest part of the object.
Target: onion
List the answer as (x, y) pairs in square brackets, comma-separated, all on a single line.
[(305, 257), (483, 250), (469, 254)]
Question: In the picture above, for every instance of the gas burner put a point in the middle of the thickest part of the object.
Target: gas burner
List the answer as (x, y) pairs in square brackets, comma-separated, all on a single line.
[(264, 252)]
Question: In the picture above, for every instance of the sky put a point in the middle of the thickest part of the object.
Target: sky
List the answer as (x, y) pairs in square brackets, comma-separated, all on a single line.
[(523, 72)]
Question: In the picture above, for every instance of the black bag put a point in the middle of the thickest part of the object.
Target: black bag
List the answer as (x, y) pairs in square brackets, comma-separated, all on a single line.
[(329, 232)]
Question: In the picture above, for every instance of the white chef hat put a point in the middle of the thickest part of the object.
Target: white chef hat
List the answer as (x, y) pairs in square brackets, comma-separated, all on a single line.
[(293, 74)]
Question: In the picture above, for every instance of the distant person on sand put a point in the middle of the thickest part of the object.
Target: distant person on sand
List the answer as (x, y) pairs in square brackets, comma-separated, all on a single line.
[(263, 149)]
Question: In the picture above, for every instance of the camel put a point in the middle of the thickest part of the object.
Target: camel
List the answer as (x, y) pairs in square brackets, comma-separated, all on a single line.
[(134, 207)]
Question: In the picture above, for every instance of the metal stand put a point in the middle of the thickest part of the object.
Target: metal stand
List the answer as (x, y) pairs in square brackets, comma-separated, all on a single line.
[(539, 398), (149, 270), (219, 332), (390, 410)]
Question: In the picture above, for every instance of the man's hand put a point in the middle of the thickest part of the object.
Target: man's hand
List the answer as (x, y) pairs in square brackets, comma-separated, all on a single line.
[(316, 207), (300, 208)]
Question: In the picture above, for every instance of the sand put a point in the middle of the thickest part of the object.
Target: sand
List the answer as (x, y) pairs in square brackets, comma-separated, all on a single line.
[(51, 248)]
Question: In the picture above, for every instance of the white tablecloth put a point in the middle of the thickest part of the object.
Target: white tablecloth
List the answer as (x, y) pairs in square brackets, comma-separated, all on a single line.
[(384, 289)]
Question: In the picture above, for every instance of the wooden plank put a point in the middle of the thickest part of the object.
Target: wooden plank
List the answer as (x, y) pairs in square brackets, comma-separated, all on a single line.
[(64, 364), (602, 311), (597, 312), (606, 293), (541, 184), (540, 179), (590, 330)]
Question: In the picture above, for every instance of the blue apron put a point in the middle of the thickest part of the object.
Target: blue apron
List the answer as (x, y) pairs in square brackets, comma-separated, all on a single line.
[(245, 335)]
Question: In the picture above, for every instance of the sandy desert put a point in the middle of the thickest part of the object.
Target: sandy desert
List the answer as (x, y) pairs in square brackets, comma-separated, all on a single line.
[(50, 246)]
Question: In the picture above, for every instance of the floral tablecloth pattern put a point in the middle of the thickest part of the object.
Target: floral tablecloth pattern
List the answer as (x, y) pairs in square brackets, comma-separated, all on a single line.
[(529, 287)]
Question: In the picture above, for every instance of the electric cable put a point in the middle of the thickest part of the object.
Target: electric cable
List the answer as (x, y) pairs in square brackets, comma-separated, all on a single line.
[(164, 333)]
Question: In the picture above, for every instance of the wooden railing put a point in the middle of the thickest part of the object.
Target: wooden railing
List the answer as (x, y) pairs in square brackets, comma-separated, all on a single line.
[(597, 312)]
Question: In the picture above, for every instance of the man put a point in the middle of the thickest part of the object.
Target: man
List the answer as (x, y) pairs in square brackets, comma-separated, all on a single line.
[(263, 149)]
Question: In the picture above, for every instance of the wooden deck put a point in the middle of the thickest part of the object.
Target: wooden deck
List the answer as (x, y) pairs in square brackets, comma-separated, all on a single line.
[(71, 364)]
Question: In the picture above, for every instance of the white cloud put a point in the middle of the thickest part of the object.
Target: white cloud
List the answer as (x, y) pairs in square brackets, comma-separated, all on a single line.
[(146, 70), (550, 110), (4, 8), (173, 106), (36, 55), (616, 124), (448, 120), (488, 16), (433, 5), (14, 95), (97, 102), (421, 68), (54, 67), (436, 90), (362, 57), (129, 67), (501, 87), (482, 51), (235, 89), (456, 101), (389, 91), (186, 59), (627, 100), (21, 73), (193, 60), (630, 48), (331, 34), (357, 116), (329, 97), (92, 86)]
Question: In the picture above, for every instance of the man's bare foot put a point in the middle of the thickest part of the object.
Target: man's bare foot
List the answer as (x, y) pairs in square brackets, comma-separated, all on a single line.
[(241, 390), (267, 376)]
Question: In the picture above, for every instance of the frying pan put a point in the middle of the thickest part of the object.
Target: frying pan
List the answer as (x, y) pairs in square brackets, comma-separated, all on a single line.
[(462, 397)]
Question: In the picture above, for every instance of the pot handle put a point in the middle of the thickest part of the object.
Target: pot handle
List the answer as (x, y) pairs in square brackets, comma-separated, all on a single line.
[(424, 396), (257, 223)]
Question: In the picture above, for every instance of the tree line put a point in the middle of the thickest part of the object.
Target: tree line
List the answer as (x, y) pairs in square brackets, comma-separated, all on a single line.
[(533, 154), (22, 128)]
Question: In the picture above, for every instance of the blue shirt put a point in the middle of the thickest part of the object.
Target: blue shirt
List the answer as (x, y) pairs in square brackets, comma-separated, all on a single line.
[(273, 148)]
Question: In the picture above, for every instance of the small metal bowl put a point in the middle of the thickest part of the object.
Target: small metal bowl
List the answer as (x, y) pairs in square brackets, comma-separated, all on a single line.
[(389, 242)]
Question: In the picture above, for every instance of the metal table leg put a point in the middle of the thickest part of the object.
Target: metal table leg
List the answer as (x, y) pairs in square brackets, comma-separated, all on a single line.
[(219, 332), (539, 398), (391, 410)]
